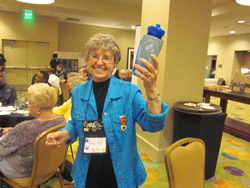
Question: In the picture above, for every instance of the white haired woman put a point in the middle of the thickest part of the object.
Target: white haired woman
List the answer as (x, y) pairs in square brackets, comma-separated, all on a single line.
[(104, 113), (16, 146)]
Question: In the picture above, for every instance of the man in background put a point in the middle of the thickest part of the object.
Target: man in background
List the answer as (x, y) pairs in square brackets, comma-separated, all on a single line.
[(54, 62), (42, 77), (84, 71), (7, 92), (2, 62)]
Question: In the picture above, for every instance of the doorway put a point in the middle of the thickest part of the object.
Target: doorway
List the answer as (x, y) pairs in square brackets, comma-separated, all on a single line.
[(211, 66), (24, 59)]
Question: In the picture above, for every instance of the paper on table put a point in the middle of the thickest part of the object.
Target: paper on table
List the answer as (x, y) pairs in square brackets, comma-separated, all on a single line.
[(21, 112), (208, 107), (5, 113), (7, 108)]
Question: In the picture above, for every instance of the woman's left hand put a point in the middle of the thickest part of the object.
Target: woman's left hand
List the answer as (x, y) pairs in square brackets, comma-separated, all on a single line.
[(148, 75)]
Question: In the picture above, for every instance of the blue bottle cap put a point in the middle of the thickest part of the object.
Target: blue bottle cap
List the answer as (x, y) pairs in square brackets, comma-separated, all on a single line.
[(156, 31)]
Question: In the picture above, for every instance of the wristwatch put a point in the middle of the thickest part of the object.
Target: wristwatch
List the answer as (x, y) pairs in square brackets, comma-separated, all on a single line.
[(155, 97)]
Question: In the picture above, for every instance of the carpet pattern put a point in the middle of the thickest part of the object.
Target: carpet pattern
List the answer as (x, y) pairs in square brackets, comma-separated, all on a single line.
[(235, 110), (233, 166)]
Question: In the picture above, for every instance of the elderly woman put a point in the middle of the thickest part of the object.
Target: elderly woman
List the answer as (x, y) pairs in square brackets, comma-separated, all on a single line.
[(16, 147), (103, 116)]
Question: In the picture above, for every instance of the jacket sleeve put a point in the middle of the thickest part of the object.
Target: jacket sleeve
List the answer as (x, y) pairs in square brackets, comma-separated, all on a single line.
[(147, 121)]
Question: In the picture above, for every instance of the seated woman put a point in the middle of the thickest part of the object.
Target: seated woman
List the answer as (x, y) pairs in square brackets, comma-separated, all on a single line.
[(65, 109), (7, 92), (16, 146)]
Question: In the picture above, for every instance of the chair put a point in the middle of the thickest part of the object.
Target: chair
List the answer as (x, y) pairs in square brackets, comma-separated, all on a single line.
[(47, 162), (65, 92), (220, 81), (185, 163)]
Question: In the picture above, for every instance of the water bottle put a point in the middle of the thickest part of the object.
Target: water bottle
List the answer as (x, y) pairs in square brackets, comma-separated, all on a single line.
[(151, 43)]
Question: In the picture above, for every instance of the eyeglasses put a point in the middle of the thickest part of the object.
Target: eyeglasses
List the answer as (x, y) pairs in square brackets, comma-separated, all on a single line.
[(104, 59)]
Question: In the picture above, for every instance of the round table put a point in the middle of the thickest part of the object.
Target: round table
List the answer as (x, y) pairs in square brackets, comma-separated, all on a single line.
[(12, 119), (192, 120)]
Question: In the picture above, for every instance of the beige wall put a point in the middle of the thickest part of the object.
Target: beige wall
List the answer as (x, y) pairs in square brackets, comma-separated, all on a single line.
[(224, 47), (42, 29), (182, 59), (73, 37)]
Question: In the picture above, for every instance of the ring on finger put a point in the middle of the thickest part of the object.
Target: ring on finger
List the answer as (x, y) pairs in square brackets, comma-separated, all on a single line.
[(148, 73)]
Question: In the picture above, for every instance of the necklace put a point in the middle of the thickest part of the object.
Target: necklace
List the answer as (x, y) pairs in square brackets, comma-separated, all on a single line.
[(47, 117)]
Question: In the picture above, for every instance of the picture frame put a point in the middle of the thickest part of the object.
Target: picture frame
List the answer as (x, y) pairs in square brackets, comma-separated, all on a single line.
[(130, 58)]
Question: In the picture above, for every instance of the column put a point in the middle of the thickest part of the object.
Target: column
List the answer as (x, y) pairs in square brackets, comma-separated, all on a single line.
[(182, 60)]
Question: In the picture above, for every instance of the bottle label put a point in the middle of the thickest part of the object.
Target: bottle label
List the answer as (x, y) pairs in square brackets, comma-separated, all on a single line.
[(148, 45)]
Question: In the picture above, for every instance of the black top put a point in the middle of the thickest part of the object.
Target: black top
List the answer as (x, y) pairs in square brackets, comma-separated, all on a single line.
[(100, 92), (61, 75), (54, 63), (7, 95), (2, 60), (101, 173)]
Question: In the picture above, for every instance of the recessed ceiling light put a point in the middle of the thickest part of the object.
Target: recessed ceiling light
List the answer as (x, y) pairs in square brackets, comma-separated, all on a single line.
[(232, 32), (241, 21), (133, 27), (243, 2), (37, 1)]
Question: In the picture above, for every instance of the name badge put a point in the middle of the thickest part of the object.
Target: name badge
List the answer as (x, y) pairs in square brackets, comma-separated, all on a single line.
[(94, 145), (95, 139)]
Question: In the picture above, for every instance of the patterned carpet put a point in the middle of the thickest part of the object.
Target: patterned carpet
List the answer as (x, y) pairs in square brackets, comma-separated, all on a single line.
[(235, 110), (233, 165)]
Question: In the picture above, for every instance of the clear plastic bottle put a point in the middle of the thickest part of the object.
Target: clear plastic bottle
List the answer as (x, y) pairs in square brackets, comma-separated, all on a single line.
[(151, 43)]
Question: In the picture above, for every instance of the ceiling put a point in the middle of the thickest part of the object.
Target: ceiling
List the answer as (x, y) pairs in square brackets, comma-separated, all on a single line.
[(125, 13)]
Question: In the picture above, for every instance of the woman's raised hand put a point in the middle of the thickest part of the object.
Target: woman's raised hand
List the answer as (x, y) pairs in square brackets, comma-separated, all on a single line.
[(148, 75)]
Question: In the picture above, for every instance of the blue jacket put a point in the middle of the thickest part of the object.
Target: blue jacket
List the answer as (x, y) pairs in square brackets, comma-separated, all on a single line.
[(123, 98)]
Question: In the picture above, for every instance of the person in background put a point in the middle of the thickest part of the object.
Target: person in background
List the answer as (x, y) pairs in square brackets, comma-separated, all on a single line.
[(106, 109), (65, 110), (54, 61), (84, 71), (16, 155), (129, 75), (115, 73), (2, 62), (3, 65), (61, 74), (7, 92), (47, 67), (55, 82), (69, 75), (42, 77), (122, 74)]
